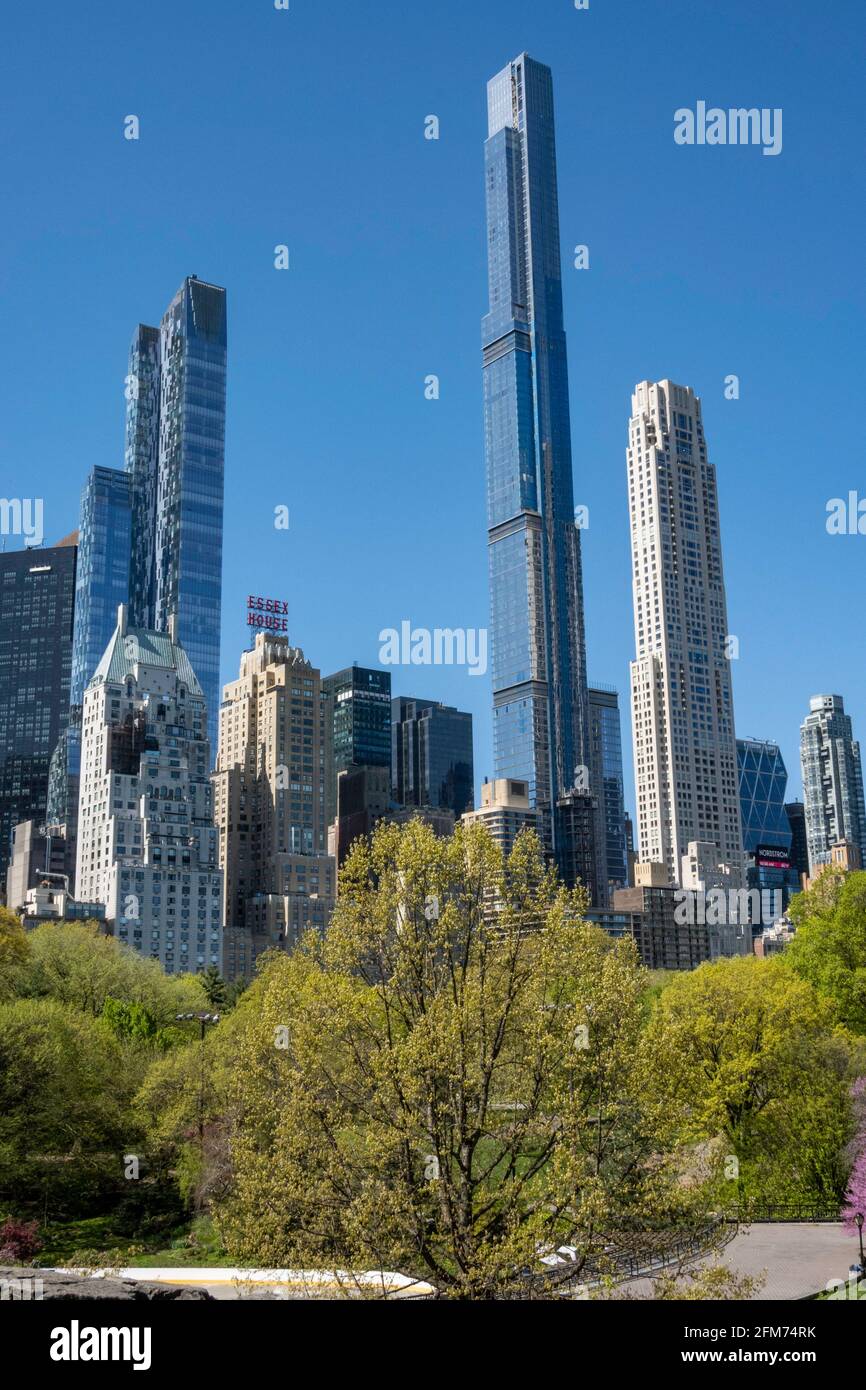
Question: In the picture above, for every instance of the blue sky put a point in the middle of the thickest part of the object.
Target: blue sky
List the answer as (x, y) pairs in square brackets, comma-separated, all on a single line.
[(261, 127)]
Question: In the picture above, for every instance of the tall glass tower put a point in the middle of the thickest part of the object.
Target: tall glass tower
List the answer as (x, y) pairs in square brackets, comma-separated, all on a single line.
[(37, 605), (605, 738), (536, 592), (832, 780), (175, 454), (101, 585), (766, 829)]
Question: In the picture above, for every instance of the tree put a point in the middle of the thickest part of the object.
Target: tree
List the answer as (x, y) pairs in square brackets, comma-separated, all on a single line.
[(443, 1088), (829, 948), (135, 1024), (77, 964), (748, 1052), (855, 1193), (214, 987), (65, 1097), (14, 952)]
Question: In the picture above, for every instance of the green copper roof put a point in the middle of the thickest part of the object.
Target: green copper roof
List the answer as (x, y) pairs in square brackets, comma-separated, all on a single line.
[(140, 647)]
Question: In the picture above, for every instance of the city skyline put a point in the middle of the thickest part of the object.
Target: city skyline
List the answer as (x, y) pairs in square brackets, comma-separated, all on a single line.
[(762, 695)]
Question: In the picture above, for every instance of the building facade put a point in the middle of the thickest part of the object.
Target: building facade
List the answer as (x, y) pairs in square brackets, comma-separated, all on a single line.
[(269, 801), (536, 589), (832, 780), (431, 755), (102, 577), (766, 829), (581, 856), (363, 800), (682, 698), (147, 844), (795, 812), (37, 607), (35, 855), (606, 781), (175, 457), (506, 810), (101, 586), (358, 704)]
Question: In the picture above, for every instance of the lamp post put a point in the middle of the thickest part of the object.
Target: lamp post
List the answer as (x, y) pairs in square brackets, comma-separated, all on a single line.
[(204, 1020), (858, 1222)]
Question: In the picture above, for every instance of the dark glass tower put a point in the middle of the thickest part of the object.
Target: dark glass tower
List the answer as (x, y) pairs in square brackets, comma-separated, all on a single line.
[(358, 725), (607, 780), (766, 829), (37, 601), (431, 755), (795, 813), (175, 454), (536, 591)]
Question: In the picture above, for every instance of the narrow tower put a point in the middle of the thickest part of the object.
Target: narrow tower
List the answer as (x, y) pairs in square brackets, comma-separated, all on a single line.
[(536, 594)]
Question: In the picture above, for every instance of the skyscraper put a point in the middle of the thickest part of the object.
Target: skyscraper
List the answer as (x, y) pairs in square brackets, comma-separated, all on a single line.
[(795, 812), (832, 780), (175, 455), (358, 734), (682, 699), (431, 755), (102, 577), (269, 789), (606, 779), (101, 586), (37, 604), (536, 591), (766, 829), (147, 844)]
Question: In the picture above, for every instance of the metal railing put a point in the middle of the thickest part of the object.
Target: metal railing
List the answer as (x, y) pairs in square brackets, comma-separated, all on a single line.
[(754, 1213)]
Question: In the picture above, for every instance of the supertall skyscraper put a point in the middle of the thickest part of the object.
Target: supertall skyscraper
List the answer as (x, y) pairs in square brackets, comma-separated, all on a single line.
[(536, 591), (832, 780), (682, 700), (175, 455)]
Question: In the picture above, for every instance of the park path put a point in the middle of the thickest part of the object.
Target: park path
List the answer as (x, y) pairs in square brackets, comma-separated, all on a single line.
[(795, 1258)]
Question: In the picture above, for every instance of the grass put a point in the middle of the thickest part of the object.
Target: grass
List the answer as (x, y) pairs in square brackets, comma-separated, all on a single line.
[(94, 1241)]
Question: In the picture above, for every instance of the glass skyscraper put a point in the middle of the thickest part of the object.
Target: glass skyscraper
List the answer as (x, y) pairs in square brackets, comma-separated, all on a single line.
[(431, 755), (607, 778), (766, 828), (175, 455), (832, 780), (102, 577), (358, 725), (536, 592), (37, 601), (101, 585)]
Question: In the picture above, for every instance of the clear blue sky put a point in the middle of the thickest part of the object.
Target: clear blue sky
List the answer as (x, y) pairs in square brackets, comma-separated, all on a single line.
[(261, 127)]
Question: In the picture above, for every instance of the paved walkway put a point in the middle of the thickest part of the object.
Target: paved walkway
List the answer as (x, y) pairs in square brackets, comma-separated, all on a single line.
[(795, 1259)]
